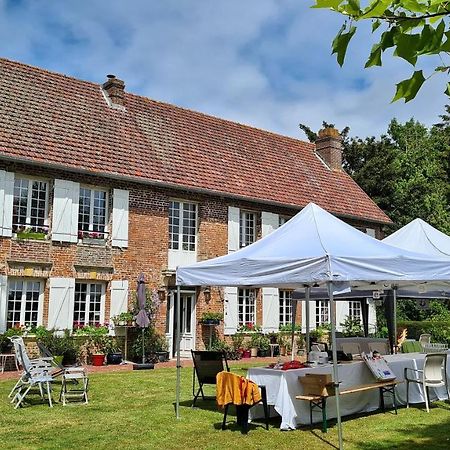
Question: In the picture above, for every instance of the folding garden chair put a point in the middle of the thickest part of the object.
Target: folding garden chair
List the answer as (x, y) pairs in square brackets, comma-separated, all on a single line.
[(236, 390), (207, 364), (434, 374), (35, 374), (25, 361)]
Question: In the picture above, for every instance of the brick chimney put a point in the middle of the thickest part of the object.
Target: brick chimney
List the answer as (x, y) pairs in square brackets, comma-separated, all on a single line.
[(114, 90), (329, 147)]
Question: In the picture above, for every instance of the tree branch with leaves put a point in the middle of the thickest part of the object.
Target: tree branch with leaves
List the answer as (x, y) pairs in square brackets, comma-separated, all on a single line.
[(412, 28)]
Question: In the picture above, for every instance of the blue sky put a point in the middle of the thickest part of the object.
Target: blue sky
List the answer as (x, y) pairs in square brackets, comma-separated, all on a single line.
[(266, 63)]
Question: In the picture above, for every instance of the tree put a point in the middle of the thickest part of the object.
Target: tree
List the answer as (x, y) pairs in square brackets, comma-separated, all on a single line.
[(405, 171), (412, 28)]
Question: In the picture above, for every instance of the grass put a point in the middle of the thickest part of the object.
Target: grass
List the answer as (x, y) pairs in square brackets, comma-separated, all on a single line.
[(134, 410)]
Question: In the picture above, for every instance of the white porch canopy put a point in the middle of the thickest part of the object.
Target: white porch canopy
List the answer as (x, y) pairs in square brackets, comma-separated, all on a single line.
[(314, 248)]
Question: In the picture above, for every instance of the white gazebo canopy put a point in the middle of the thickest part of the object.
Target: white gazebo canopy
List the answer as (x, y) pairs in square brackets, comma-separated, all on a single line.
[(316, 248), (419, 236)]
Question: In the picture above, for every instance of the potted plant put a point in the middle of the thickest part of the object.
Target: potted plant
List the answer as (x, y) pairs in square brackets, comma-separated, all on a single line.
[(254, 344), (282, 342), (124, 319), (113, 351), (161, 348), (264, 346), (211, 318)]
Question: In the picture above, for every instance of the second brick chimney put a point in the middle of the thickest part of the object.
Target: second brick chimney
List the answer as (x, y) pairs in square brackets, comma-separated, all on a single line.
[(115, 91), (329, 147)]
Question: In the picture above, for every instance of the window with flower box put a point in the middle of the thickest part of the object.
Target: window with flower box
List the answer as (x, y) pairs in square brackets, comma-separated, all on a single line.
[(246, 307), (30, 208), (285, 307), (24, 303), (92, 213), (89, 305), (247, 228)]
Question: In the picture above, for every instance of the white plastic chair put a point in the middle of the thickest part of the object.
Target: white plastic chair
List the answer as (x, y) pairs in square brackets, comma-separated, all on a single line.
[(351, 347), (425, 339), (380, 347), (434, 374), (36, 373)]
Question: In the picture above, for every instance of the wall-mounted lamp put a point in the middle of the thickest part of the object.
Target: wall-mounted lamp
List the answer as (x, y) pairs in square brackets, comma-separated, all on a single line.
[(162, 294), (207, 294)]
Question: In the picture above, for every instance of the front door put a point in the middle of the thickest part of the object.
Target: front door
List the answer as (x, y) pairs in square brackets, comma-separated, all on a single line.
[(187, 343)]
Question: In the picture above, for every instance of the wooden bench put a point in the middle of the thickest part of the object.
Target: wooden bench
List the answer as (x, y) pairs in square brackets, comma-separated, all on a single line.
[(320, 402)]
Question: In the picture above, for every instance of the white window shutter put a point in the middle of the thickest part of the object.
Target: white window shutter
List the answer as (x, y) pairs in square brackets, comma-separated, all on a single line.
[(61, 303), (269, 222), (65, 211), (271, 310), (233, 229), (120, 218), (230, 310), (119, 297), (3, 302), (6, 202)]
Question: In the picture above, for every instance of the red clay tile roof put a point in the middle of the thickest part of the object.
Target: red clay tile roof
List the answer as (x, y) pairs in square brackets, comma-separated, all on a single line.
[(54, 119)]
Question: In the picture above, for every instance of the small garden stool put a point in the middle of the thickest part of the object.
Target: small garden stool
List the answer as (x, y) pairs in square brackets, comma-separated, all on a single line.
[(4, 358), (74, 384)]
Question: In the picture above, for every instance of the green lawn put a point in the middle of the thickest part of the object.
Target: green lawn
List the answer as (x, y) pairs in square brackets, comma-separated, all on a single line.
[(134, 410)]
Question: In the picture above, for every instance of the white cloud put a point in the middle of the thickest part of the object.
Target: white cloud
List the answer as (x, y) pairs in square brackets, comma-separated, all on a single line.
[(262, 62)]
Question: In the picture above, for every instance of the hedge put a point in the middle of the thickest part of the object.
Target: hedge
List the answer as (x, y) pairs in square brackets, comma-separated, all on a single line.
[(439, 330)]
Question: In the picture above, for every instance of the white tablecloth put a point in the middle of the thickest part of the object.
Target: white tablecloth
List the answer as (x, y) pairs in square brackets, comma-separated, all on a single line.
[(282, 386)]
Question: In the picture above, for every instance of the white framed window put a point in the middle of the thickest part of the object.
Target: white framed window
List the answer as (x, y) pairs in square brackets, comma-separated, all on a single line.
[(183, 226), (322, 312), (92, 213), (285, 307), (25, 298), (354, 310), (89, 304), (247, 228), (246, 307), (30, 205)]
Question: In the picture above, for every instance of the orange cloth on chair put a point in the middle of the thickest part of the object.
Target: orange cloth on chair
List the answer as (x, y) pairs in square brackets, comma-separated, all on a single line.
[(231, 388)]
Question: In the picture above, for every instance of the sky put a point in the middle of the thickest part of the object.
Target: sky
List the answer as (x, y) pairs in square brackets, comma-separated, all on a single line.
[(265, 63)]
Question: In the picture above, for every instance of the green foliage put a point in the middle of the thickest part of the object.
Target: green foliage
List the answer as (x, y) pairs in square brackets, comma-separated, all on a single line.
[(153, 342), (318, 334), (412, 28), (289, 328), (414, 181), (91, 330), (57, 344), (351, 326), (211, 316), (439, 330)]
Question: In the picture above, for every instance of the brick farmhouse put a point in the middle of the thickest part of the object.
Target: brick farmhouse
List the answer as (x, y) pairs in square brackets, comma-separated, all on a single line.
[(98, 185)]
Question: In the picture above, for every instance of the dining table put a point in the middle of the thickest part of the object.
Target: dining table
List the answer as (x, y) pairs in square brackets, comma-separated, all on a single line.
[(283, 386)]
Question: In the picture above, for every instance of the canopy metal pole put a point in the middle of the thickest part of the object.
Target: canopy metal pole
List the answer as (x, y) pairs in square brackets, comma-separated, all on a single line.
[(178, 335), (395, 318), (143, 347), (308, 340), (294, 313), (335, 366)]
